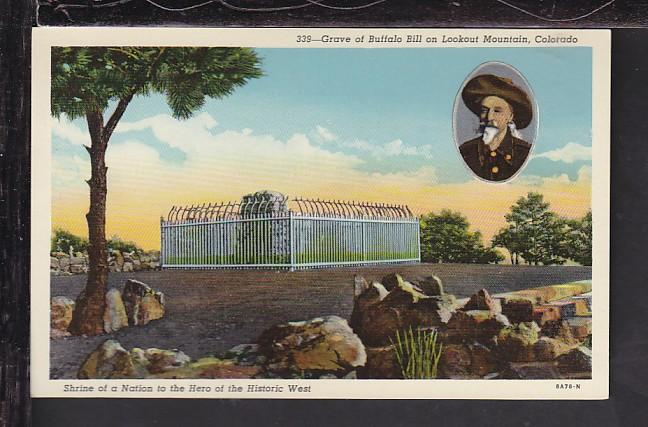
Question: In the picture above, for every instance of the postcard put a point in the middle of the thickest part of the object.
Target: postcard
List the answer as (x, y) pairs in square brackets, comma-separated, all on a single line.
[(320, 213)]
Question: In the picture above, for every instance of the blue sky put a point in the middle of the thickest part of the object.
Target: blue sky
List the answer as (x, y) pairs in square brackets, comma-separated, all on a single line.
[(381, 95), (316, 114)]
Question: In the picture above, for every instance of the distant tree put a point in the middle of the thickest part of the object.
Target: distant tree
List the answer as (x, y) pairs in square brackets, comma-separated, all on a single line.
[(534, 233), (445, 237), (580, 239), (88, 81), (63, 241), (116, 243)]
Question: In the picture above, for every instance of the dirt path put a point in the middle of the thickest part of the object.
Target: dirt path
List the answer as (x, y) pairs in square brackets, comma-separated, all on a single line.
[(210, 311)]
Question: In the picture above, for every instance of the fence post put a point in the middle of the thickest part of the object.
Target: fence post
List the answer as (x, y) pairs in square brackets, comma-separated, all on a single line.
[(162, 242), (418, 238), (364, 245), (291, 247)]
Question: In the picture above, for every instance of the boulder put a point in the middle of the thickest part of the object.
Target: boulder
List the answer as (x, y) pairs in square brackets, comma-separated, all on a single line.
[(64, 262), (559, 330), (119, 259), (550, 293), (580, 327), (360, 285), (483, 360), (546, 349), (455, 362), (546, 313), (516, 343), (431, 285), (61, 309), (483, 301), (531, 371), (114, 317), (110, 361), (127, 267), (391, 281), (576, 361), (474, 325), (209, 368), (78, 260), (381, 364), (518, 310), (142, 303), (323, 344), (467, 361), (54, 263), (156, 360), (245, 355), (78, 269), (379, 313)]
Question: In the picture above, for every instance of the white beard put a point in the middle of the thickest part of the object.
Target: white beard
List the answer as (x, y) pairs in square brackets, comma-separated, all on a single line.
[(489, 134)]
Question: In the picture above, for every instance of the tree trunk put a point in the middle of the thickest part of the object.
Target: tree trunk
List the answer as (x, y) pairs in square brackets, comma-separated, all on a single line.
[(88, 313)]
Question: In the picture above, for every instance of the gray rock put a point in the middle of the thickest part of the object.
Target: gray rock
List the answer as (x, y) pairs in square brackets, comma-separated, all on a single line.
[(115, 314), (578, 360), (431, 285), (324, 344), (142, 303), (110, 361), (61, 309)]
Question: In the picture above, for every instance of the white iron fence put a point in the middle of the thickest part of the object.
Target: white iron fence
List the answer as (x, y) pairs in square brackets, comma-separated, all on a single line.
[(278, 237)]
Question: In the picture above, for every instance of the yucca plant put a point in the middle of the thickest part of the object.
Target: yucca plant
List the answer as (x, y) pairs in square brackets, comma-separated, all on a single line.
[(417, 353)]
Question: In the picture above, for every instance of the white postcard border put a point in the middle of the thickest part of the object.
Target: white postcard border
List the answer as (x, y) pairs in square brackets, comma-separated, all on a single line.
[(42, 386)]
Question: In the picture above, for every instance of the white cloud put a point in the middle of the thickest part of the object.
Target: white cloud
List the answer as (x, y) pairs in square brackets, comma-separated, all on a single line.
[(570, 153), (70, 171), (325, 134), (184, 134), (224, 164), (65, 129), (584, 175)]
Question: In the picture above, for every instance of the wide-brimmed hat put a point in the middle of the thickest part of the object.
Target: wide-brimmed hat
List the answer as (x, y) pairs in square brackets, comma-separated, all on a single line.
[(490, 85)]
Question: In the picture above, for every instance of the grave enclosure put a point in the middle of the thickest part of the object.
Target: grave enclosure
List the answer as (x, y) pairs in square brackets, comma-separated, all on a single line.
[(269, 230)]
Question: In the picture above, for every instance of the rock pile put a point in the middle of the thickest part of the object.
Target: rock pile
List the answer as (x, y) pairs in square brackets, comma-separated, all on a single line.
[(526, 334), (537, 333), (62, 264), (324, 346), (319, 348), (136, 305)]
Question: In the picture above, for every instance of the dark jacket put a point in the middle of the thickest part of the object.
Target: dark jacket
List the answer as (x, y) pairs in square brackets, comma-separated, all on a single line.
[(496, 165)]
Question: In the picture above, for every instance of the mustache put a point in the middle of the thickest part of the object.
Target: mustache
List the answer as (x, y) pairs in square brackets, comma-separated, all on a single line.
[(484, 125)]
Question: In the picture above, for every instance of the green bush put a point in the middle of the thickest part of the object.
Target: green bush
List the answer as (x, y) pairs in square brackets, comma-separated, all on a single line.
[(115, 243), (418, 353), (63, 239)]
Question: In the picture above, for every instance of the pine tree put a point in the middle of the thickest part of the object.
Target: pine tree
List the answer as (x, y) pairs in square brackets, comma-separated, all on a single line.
[(88, 81), (534, 233)]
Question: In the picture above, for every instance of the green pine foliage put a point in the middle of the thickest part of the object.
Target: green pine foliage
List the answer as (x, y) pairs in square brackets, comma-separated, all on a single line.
[(89, 78), (537, 236), (445, 237)]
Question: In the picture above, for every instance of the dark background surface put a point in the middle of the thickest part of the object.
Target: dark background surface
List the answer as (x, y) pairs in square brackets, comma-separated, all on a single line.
[(389, 13), (627, 405)]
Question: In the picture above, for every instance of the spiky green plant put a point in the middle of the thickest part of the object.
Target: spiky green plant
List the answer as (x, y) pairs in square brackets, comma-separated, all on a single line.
[(417, 353)]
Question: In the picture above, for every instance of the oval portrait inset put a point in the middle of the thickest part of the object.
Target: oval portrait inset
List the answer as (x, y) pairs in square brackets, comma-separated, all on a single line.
[(495, 121)]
